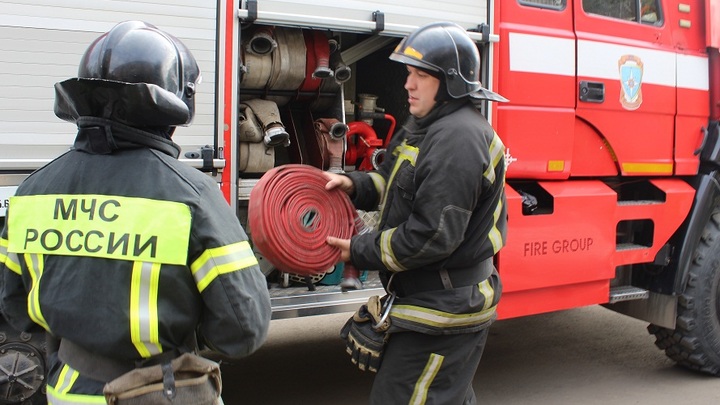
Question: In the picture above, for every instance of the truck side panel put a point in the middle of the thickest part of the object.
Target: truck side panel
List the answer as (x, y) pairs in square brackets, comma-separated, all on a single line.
[(394, 17), (618, 93), (41, 43), (537, 51)]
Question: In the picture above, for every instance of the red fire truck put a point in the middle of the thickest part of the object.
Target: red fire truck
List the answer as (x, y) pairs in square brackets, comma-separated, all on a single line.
[(612, 134)]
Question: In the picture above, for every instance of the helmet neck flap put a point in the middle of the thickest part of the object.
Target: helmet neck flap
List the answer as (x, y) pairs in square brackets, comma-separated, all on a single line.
[(134, 74)]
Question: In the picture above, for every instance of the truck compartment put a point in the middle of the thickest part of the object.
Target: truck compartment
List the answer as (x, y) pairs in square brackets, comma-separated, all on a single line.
[(295, 79)]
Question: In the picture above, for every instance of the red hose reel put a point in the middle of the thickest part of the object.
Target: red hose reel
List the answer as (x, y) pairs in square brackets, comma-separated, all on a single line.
[(290, 216)]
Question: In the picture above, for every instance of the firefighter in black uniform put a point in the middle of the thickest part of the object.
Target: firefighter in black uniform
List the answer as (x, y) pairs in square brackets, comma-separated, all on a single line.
[(117, 249), (441, 195)]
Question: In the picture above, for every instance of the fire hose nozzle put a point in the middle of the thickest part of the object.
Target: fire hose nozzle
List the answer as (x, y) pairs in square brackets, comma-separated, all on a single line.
[(338, 130), (322, 72), (377, 157), (322, 56), (343, 74), (276, 136), (262, 42), (333, 45), (342, 71)]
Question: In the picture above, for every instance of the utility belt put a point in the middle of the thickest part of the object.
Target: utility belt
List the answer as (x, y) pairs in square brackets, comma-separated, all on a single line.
[(103, 368), (169, 377), (367, 332), (411, 282)]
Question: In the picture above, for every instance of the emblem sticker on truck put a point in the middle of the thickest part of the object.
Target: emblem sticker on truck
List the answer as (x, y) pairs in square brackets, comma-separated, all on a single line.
[(631, 74)]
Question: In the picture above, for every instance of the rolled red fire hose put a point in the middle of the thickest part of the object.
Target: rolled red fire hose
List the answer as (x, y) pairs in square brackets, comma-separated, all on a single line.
[(290, 215)]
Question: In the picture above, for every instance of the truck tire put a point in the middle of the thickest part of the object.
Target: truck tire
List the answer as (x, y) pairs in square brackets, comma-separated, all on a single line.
[(695, 342), (22, 367)]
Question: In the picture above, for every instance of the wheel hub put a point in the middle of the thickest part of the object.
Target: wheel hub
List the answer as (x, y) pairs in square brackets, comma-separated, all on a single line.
[(22, 372)]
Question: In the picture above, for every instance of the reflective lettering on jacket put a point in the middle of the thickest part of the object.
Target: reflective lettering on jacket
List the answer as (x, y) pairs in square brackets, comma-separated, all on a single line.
[(112, 227), (146, 232)]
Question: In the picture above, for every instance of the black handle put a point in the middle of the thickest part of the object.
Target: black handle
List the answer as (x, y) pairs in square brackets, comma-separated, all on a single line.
[(592, 92)]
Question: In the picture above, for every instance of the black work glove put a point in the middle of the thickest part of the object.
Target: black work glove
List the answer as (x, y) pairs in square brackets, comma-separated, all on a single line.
[(365, 343)]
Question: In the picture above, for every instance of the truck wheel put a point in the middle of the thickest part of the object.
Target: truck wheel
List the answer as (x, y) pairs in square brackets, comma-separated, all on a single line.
[(695, 342), (22, 374)]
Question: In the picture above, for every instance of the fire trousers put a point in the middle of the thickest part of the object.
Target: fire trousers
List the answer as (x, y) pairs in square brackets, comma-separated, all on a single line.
[(420, 369)]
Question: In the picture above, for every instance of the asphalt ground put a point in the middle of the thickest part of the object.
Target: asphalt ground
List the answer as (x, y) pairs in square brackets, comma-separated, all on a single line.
[(582, 356)]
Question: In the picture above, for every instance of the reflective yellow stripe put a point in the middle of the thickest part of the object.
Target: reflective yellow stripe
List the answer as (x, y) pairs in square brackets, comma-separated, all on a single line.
[(143, 308), (404, 152), (487, 291), (56, 398), (67, 378), (432, 368), (221, 260), (113, 227), (35, 265), (379, 183), (495, 235), (497, 152), (440, 319), (386, 253), (10, 260), (59, 394)]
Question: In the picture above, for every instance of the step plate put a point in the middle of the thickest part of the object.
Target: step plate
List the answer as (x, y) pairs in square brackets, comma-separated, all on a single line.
[(299, 300), (627, 293)]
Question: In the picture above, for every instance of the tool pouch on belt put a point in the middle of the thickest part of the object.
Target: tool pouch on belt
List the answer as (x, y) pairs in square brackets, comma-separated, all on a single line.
[(186, 380), (365, 334)]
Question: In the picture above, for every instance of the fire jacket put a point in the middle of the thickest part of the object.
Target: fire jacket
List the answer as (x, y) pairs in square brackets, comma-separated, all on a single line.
[(126, 252), (441, 195)]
